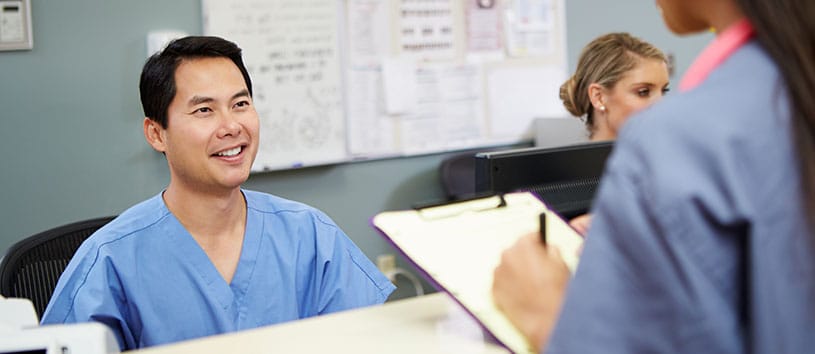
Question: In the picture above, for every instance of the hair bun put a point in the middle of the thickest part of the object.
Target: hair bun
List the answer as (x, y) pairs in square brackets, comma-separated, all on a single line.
[(567, 95)]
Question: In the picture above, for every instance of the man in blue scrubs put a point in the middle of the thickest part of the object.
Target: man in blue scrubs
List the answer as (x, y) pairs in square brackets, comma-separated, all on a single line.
[(204, 256)]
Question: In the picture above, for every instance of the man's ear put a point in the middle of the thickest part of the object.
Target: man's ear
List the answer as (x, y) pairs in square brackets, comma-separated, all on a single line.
[(154, 134), (597, 96)]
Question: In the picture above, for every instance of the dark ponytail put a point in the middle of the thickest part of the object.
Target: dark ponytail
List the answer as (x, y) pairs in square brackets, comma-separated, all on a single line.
[(786, 30)]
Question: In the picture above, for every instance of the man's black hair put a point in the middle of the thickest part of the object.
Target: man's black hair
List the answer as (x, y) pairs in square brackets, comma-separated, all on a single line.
[(157, 85)]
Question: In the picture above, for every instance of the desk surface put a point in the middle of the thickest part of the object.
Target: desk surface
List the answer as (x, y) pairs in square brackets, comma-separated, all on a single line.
[(427, 324)]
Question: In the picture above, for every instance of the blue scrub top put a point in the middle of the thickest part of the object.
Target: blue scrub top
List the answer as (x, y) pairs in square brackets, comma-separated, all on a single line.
[(146, 277), (698, 242)]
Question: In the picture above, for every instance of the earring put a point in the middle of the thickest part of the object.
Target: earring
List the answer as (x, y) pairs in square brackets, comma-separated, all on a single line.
[(602, 108)]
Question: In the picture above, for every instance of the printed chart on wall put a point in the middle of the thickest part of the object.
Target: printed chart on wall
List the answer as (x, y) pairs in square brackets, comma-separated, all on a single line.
[(342, 80)]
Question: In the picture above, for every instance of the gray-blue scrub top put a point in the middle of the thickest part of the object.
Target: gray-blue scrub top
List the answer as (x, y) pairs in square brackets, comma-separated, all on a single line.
[(698, 242)]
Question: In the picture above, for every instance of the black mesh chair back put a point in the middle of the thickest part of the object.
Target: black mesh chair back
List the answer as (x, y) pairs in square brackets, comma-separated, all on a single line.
[(457, 173), (31, 267)]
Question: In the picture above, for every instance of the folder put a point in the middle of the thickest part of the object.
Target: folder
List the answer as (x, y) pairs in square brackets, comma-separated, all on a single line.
[(457, 246)]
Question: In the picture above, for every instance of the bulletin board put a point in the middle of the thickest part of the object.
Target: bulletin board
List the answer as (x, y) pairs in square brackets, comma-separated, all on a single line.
[(343, 80)]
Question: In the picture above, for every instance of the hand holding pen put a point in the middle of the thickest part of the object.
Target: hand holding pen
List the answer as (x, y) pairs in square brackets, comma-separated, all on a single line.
[(529, 285)]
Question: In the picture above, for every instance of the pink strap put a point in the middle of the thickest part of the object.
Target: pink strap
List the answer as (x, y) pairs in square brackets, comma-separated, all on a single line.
[(720, 49)]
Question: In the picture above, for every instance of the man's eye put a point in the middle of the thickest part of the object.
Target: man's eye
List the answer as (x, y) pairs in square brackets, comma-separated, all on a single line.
[(242, 104), (202, 110)]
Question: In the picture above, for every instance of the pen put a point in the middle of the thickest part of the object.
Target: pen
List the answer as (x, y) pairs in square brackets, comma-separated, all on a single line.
[(543, 227)]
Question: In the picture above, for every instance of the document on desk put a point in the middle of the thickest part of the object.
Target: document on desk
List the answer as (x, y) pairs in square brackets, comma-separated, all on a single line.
[(457, 246)]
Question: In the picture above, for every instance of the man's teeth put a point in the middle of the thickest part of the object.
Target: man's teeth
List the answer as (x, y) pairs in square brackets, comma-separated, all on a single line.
[(230, 152)]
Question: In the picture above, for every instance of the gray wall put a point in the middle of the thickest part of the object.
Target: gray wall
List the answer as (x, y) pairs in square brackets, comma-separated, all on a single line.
[(71, 120)]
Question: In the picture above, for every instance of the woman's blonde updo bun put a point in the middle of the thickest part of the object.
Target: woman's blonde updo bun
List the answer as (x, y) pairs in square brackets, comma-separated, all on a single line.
[(571, 101)]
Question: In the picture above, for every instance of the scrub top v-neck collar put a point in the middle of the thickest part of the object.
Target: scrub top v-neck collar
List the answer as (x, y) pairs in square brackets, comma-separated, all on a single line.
[(190, 252)]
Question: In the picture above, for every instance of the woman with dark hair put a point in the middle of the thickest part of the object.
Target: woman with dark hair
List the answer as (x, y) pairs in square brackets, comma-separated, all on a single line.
[(703, 221)]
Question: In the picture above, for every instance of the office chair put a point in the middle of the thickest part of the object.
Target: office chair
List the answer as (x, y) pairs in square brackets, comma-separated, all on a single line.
[(31, 267), (457, 173)]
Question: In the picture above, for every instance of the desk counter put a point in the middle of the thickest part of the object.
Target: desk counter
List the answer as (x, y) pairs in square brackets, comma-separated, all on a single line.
[(426, 324)]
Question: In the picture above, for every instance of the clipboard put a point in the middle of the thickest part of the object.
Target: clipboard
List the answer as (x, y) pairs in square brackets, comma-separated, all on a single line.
[(457, 246)]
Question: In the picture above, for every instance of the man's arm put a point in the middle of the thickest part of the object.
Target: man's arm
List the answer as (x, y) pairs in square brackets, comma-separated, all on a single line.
[(89, 290)]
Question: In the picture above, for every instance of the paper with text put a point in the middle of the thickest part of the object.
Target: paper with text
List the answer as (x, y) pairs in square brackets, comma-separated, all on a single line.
[(459, 245), (428, 29), (291, 49)]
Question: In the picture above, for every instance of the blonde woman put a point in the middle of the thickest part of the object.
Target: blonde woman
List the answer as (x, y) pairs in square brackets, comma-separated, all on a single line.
[(617, 74)]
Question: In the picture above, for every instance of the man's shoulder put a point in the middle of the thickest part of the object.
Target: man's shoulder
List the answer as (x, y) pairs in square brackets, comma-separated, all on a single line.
[(138, 219), (274, 206), (268, 203)]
